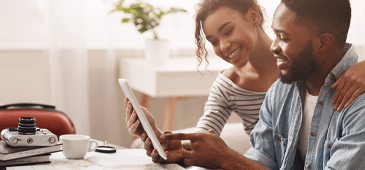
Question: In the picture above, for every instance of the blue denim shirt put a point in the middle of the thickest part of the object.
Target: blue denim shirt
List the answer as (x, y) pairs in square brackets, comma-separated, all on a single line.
[(336, 139)]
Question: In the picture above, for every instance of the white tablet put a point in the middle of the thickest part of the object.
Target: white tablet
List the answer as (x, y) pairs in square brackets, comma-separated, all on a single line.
[(145, 124)]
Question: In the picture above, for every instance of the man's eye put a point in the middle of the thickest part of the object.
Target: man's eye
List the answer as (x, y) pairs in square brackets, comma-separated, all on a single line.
[(214, 43), (282, 39)]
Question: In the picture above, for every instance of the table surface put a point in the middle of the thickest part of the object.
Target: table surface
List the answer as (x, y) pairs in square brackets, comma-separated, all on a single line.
[(178, 77), (123, 159)]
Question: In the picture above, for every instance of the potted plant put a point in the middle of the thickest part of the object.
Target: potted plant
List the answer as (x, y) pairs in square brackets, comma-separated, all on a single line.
[(146, 18)]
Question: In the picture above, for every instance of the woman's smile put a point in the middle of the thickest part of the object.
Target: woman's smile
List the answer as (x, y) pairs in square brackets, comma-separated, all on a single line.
[(235, 53)]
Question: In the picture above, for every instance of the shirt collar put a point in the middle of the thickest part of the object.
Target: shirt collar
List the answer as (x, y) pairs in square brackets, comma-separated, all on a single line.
[(349, 59)]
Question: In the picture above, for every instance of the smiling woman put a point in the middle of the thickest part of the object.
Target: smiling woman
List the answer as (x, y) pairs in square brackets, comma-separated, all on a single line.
[(234, 28)]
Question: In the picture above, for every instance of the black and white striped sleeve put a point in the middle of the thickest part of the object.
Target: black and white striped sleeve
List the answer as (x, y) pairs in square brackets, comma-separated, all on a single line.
[(217, 109)]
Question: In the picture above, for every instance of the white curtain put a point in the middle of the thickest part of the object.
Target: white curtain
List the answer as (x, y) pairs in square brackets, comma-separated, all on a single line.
[(68, 61)]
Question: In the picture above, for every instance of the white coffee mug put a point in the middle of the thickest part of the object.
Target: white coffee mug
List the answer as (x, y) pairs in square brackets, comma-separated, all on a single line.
[(76, 146)]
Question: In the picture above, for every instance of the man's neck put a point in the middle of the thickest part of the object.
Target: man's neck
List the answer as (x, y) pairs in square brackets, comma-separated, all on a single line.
[(328, 62)]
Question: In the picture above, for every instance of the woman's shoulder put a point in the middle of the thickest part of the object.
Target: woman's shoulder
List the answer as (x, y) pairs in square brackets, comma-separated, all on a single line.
[(227, 80), (230, 73), (247, 79)]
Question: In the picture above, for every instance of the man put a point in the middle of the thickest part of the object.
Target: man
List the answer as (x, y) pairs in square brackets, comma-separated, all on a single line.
[(298, 126)]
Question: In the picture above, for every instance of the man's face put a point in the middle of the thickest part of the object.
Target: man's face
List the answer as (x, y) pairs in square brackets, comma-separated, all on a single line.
[(292, 47)]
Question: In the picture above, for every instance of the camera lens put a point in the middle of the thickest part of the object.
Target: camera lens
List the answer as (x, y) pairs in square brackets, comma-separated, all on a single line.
[(26, 125)]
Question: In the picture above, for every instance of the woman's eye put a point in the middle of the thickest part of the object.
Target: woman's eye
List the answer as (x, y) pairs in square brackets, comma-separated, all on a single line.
[(214, 43), (228, 32)]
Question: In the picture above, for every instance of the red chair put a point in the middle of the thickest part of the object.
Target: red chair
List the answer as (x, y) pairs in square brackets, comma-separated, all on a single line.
[(46, 117)]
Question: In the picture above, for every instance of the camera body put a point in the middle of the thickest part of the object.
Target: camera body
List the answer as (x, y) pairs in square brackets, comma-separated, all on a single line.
[(28, 135)]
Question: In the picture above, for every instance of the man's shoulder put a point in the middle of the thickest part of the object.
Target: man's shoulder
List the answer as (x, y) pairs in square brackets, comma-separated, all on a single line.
[(358, 104), (279, 87)]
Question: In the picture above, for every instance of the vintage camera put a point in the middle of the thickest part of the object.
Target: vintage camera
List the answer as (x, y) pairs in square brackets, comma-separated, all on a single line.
[(27, 134)]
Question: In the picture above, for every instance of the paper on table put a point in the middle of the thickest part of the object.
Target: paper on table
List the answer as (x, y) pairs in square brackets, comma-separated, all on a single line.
[(134, 159)]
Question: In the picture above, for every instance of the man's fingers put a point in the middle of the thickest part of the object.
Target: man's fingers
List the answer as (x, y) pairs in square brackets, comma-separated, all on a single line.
[(187, 145), (188, 160), (188, 153), (180, 136)]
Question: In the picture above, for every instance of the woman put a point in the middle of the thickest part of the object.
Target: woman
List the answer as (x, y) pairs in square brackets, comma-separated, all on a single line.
[(234, 28)]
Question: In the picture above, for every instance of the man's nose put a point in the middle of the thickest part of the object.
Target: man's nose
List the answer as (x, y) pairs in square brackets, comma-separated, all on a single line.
[(275, 48)]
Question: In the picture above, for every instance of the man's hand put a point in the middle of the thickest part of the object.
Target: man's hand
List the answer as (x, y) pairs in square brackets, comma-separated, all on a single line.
[(173, 149), (206, 149), (349, 86)]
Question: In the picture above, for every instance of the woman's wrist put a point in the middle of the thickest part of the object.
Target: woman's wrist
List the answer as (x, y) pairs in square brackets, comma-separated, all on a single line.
[(158, 132)]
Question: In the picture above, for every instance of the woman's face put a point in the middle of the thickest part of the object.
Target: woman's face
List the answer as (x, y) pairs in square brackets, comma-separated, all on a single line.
[(232, 35)]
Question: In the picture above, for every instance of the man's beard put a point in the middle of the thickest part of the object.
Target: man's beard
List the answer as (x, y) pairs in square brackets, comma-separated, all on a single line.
[(302, 66)]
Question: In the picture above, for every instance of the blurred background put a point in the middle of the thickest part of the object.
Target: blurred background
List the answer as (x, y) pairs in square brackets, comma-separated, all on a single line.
[(68, 53)]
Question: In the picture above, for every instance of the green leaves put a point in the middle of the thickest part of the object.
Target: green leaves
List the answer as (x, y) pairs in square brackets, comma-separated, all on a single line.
[(125, 20), (144, 16)]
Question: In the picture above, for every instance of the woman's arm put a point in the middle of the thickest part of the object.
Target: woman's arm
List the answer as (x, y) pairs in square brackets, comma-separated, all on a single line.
[(349, 86), (216, 110)]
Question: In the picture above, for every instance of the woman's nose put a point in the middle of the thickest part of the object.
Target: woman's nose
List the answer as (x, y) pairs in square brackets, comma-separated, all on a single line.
[(224, 45)]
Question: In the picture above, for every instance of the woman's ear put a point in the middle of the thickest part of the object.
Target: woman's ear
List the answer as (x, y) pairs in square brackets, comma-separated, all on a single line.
[(254, 15)]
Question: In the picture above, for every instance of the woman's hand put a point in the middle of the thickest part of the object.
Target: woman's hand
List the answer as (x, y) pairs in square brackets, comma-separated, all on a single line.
[(349, 86), (133, 123)]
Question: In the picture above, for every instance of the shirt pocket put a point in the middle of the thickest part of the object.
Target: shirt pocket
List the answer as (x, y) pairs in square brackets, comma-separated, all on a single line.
[(280, 143), (327, 150)]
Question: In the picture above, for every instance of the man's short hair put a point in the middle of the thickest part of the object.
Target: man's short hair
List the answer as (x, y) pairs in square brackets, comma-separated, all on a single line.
[(323, 16)]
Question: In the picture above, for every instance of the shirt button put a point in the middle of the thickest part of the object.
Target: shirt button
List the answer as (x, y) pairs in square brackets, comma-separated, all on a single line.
[(329, 146), (313, 134), (320, 103), (308, 166), (279, 139), (332, 77)]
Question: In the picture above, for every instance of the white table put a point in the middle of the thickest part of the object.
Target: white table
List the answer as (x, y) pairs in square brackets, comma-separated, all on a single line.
[(177, 79), (121, 160)]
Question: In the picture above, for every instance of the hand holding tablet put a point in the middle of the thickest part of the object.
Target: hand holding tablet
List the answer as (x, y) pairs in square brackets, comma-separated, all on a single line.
[(145, 124)]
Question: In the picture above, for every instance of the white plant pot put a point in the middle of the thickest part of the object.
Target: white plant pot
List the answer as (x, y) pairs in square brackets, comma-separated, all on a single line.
[(157, 51)]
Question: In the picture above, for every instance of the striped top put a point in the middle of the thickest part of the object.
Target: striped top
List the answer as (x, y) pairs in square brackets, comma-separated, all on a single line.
[(226, 97)]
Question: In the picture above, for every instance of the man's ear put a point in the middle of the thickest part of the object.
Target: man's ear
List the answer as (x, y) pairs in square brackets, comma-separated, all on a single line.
[(254, 15), (326, 40)]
